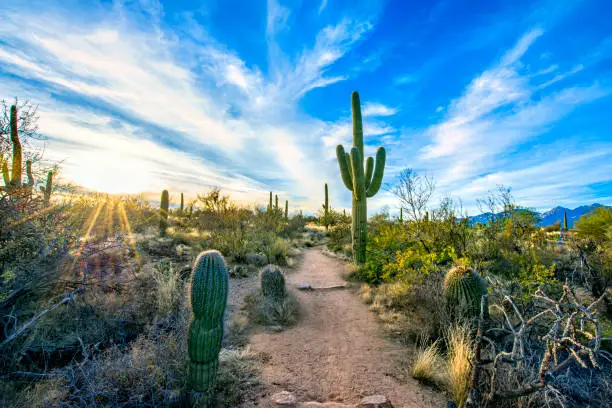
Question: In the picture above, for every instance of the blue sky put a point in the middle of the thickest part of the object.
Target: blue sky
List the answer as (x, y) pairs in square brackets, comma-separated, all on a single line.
[(254, 95)]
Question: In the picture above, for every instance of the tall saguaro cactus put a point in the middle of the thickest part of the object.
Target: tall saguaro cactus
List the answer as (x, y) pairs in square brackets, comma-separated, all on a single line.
[(363, 184), (276, 203), (286, 209), (163, 213), (565, 220), (270, 204), (209, 288), (182, 204)]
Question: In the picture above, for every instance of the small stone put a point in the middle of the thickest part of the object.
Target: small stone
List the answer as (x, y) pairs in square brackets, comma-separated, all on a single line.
[(375, 401), (305, 286), (284, 398), (314, 404)]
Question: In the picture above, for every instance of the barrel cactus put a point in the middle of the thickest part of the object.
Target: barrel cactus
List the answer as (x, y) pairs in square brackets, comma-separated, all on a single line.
[(272, 282), (463, 287), (209, 288), (163, 213), (363, 184)]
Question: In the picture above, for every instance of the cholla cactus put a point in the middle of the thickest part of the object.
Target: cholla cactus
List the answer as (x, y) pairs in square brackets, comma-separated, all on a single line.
[(163, 212), (209, 288), (362, 184), (272, 282), (463, 287)]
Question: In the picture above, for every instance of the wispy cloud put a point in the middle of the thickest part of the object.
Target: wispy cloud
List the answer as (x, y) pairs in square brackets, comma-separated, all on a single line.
[(193, 113), (378, 109), (498, 111)]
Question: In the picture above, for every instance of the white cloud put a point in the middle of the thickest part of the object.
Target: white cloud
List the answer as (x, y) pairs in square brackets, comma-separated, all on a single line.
[(184, 99), (377, 109)]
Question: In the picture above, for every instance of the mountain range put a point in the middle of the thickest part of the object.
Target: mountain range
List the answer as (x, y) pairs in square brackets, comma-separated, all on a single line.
[(547, 218)]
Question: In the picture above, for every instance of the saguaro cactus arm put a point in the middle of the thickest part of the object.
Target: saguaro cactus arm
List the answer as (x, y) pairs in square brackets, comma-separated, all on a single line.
[(376, 181), (345, 169)]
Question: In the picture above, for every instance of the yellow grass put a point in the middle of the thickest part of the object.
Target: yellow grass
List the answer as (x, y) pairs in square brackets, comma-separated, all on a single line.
[(458, 365), (424, 367)]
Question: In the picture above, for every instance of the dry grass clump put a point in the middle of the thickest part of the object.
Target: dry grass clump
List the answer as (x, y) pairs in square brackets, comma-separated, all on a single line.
[(170, 288), (426, 364), (238, 378), (272, 312), (366, 293), (459, 363)]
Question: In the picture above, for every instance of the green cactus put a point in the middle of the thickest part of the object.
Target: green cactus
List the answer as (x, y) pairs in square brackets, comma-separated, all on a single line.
[(276, 203), (326, 209), (209, 288), (401, 218), (163, 213), (182, 205), (16, 174), (286, 209), (270, 204), (362, 184), (463, 287), (272, 282), (48, 188), (565, 220), (13, 181)]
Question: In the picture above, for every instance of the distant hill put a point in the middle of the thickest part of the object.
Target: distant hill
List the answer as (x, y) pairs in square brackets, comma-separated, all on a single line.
[(547, 218)]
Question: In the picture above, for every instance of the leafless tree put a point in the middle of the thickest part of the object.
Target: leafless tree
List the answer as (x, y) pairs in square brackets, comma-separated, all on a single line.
[(571, 335)]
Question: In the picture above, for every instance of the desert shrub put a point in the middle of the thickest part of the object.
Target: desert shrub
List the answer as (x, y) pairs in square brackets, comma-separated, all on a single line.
[(272, 311), (170, 288)]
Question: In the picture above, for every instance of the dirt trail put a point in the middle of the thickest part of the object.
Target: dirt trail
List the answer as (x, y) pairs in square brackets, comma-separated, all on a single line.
[(336, 351)]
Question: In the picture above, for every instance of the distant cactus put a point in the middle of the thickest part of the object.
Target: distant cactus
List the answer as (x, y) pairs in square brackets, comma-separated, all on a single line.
[(182, 205), (48, 188), (401, 218), (209, 288), (326, 209), (286, 209), (362, 184), (276, 202), (565, 220), (16, 174), (272, 282), (270, 204), (463, 287), (12, 181), (163, 213)]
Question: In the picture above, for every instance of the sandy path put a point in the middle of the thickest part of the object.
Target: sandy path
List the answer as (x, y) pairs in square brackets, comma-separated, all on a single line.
[(336, 351)]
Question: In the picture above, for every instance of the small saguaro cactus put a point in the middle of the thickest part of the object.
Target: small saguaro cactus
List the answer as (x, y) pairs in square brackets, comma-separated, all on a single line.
[(209, 288), (565, 220), (48, 188), (270, 204), (182, 205), (362, 184), (12, 181), (163, 213), (286, 209), (276, 202), (401, 218), (272, 282), (326, 209), (463, 287)]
